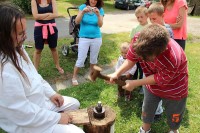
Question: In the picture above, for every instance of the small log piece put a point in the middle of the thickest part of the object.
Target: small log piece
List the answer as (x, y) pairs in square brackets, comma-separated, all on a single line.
[(105, 125)]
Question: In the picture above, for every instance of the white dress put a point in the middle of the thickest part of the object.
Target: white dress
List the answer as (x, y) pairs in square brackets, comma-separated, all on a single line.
[(24, 107)]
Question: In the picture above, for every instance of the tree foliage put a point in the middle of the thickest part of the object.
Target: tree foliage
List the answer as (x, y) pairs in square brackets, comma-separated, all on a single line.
[(25, 5)]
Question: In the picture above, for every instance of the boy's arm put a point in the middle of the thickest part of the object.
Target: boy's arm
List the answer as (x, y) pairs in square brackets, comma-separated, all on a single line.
[(124, 67), (132, 84)]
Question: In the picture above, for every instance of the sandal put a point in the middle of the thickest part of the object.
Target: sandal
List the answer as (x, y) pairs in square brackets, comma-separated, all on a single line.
[(60, 70), (74, 82)]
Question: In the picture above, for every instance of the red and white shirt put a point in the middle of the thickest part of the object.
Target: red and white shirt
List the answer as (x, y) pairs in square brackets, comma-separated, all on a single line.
[(169, 69)]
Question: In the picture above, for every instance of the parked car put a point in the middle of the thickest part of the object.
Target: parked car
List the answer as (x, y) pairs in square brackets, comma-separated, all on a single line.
[(125, 4), (145, 3)]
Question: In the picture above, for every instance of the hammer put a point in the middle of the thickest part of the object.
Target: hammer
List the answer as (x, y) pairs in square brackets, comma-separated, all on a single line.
[(97, 73)]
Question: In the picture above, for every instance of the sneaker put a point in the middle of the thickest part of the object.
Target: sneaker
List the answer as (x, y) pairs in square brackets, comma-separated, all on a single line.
[(173, 131), (142, 131), (157, 117), (128, 98)]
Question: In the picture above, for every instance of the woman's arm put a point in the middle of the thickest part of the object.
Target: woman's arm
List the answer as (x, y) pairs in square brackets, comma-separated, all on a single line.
[(79, 16), (35, 12), (100, 21), (180, 19), (55, 12), (100, 18)]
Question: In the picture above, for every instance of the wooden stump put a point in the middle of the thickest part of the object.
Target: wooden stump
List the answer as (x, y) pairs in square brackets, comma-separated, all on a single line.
[(90, 124), (105, 125)]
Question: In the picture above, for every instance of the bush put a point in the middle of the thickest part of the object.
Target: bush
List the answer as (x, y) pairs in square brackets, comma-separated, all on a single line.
[(25, 5)]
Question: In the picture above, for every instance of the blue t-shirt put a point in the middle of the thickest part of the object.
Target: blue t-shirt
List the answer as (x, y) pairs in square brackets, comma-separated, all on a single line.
[(169, 30), (89, 24)]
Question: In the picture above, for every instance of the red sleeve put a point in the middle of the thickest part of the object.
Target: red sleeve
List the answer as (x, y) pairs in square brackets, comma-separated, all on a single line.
[(182, 3), (131, 55)]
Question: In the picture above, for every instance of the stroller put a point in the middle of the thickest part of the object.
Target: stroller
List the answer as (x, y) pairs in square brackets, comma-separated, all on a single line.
[(74, 31)]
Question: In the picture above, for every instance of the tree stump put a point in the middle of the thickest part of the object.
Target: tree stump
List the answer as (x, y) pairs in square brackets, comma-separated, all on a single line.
[(105, 125)]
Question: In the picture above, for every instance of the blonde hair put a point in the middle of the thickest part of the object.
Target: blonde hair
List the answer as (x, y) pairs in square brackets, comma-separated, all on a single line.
[(156, 8), (124, 46), (141, 9)]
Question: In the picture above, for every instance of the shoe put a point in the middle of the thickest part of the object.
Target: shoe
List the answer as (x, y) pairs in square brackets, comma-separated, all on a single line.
[(157, 117), (60, 70), (74, 82), (173, 131), (142, 131), (128, 98)]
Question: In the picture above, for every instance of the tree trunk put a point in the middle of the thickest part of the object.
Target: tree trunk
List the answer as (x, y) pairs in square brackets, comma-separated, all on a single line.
[(196, 4)]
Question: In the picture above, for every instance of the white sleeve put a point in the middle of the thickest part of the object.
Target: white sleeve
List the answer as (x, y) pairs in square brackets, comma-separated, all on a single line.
[(45, 85), (117, 66), (133, 69), (48, 89), (17, 108)]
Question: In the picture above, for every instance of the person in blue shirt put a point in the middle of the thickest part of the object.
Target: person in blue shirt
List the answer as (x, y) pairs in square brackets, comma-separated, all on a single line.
[(90, 18)]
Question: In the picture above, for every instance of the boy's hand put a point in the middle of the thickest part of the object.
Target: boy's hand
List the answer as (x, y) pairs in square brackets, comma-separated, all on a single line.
[(129, 85), (112, 77)]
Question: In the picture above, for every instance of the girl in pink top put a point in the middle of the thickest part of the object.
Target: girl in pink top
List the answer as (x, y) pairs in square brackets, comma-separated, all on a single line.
[(176, 16)]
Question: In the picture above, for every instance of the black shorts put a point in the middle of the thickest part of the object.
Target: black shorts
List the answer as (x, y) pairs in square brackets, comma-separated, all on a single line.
[(39, 41)]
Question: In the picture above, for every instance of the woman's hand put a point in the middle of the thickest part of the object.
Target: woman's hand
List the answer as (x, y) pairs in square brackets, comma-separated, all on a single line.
[(65, 118), (96, 11), (57, 99), (130, 85)]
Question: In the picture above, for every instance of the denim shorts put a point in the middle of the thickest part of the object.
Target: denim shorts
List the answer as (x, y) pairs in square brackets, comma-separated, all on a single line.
[(174, 109)]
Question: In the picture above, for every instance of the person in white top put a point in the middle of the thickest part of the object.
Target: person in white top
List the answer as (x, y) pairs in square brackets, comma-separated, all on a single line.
[(127, 75), (28, 104)]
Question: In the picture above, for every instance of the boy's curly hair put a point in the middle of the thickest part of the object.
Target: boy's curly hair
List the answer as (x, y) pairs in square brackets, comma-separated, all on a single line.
[(152, 41)]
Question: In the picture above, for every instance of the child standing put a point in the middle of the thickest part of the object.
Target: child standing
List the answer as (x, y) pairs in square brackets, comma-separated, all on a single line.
[(141, 14), (156, 16), (127, 75)]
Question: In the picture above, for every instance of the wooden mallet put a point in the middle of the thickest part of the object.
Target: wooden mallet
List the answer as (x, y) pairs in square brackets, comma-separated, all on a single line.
[(97, 73)]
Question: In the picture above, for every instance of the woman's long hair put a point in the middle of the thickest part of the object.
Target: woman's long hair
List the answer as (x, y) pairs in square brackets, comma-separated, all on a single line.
[(9, 14), (98, 5)]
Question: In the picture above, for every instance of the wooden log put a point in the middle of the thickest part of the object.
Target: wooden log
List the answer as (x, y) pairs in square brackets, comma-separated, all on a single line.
[(79, 117), (105, 125)]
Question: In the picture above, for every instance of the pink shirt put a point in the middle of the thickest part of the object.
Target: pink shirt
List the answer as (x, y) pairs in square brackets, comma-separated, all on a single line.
[(169, 69), (171, 15)]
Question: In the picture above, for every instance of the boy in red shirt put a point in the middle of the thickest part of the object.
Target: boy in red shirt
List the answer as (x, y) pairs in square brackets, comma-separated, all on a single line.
[(164, 64)]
